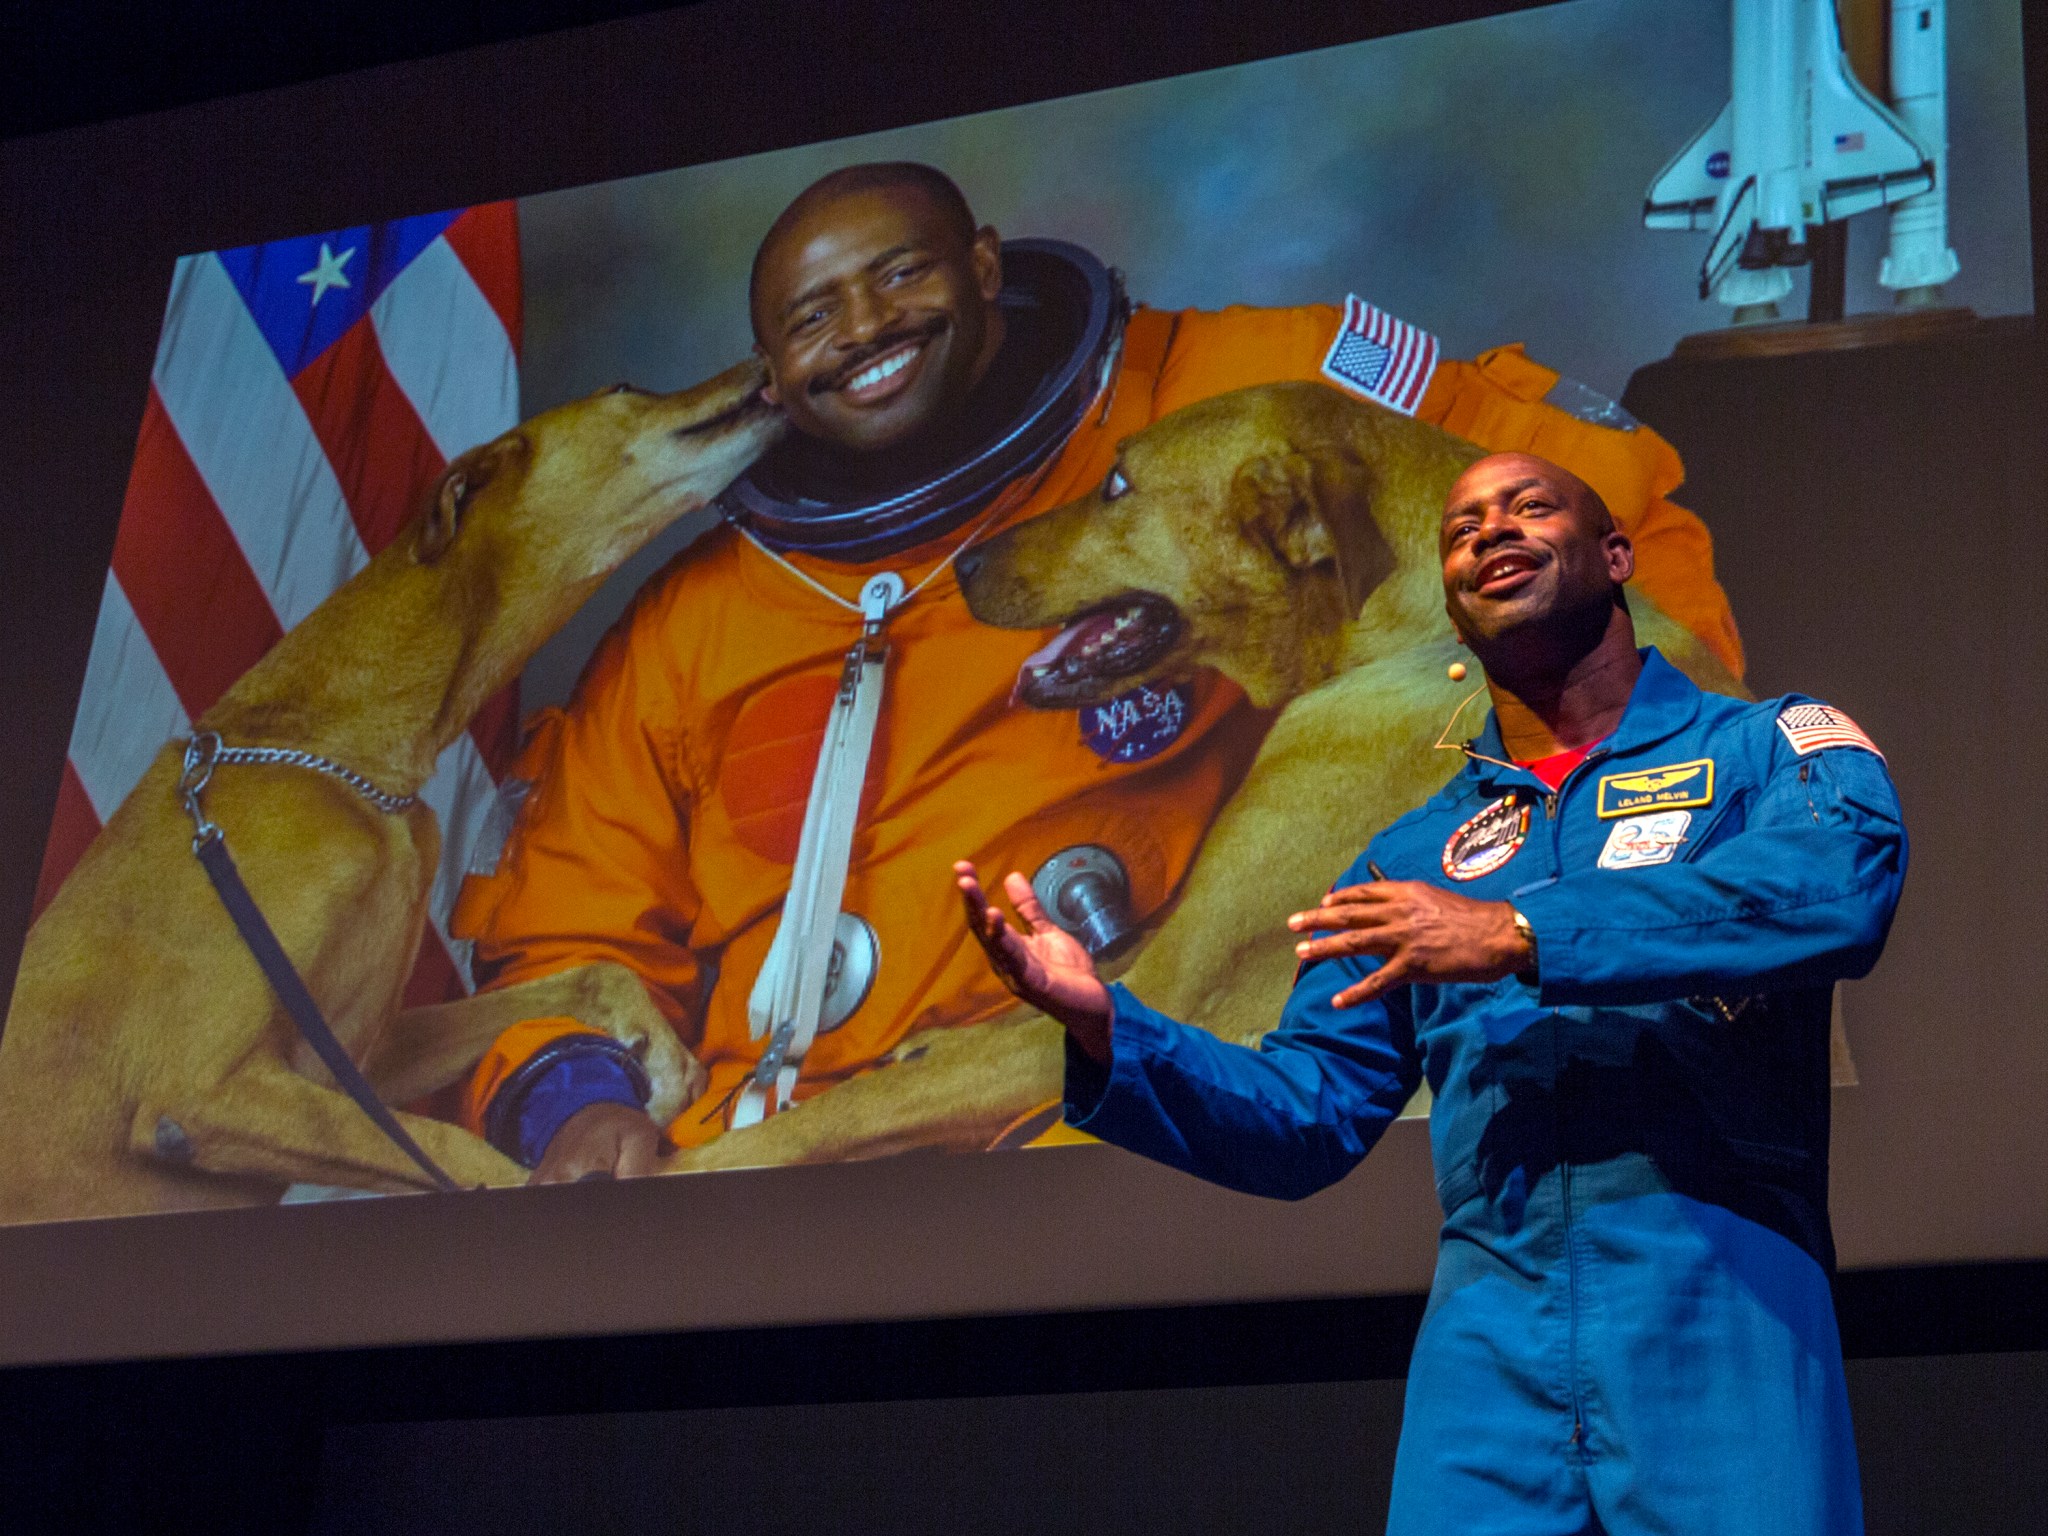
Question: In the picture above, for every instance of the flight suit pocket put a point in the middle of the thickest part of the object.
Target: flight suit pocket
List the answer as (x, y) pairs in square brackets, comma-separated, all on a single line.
[(1723, 821), (1847, 786)]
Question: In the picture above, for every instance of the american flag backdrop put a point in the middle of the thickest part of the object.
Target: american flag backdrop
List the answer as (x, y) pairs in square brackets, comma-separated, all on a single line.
[(305, 395)]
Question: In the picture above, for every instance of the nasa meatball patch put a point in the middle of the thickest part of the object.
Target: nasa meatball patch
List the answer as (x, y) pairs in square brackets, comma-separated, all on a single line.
[(1487, 841), (1139, 723)]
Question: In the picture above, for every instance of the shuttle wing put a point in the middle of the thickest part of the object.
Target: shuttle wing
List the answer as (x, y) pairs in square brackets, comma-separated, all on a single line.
[(1860, 155), (1684, 193)]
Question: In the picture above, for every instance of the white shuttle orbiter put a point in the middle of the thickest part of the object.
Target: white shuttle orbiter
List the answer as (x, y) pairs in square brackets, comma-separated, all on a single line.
[(1801, 143)]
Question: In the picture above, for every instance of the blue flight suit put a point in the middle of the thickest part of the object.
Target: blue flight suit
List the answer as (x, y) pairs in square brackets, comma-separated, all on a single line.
[(1630, 1328)]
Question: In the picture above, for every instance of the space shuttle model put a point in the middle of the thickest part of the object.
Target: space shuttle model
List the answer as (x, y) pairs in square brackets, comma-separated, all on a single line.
[(1802, 143)]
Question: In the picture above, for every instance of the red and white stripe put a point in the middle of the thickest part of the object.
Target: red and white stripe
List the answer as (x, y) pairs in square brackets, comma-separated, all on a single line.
[(1412, 353), (253, 496), (1814, 727)]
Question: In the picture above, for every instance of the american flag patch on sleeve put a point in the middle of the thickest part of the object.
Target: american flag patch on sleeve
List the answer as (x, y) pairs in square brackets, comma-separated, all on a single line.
[(1388, 361), (1813, 727)]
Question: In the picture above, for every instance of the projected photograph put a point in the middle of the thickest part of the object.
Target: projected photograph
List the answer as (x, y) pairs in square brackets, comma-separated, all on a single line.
[(555, 650)]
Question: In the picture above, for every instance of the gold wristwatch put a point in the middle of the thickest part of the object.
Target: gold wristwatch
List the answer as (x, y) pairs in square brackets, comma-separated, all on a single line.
[(1528, 972)]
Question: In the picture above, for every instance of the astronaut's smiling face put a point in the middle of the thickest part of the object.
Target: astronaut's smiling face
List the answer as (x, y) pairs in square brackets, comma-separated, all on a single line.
[(876, 316), (1525, 543)]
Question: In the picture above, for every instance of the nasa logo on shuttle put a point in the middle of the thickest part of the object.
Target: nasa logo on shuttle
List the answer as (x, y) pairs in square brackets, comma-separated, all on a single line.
[(1717, 165)]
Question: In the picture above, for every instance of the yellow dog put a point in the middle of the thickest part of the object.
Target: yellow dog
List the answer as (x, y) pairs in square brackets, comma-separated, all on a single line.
[(147, 1064)]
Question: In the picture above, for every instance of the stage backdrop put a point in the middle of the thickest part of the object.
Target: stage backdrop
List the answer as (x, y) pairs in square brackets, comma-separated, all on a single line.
[(1364, 235)]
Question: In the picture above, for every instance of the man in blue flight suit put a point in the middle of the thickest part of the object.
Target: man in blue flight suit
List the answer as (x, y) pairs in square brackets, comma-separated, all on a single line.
[(1608, 943)]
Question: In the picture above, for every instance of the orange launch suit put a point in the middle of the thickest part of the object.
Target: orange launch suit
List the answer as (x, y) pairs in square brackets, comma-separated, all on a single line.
[(669, 796)]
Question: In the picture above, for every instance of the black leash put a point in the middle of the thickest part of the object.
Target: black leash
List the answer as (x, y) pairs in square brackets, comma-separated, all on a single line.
[(210, 845)]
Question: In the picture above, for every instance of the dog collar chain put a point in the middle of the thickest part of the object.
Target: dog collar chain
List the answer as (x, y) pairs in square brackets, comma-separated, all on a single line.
[(203, 753), (206, 751)]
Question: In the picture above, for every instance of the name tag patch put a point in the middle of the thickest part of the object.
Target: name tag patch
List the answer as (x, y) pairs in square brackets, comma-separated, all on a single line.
[(1657, 789), (1487, 841), (1642, 841)]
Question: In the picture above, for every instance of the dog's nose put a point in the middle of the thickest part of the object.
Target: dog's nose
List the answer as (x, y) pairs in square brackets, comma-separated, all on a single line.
[(968, 563)]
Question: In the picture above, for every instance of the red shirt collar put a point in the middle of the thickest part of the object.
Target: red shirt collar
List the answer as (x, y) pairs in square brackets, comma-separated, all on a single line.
[(1554, 769)]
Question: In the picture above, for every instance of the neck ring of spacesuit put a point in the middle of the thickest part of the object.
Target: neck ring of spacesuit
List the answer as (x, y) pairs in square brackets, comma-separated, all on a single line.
[(1058, 287)]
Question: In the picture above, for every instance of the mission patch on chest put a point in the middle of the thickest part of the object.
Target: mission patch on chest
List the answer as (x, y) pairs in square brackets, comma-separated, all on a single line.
[(1657, 789), (1488, 840)]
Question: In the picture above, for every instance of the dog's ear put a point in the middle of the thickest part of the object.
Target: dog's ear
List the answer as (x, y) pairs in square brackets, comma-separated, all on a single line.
[(1315, 509), (457, 488)]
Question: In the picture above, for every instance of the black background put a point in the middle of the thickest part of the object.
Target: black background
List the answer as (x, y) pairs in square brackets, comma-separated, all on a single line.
[(90, 60)]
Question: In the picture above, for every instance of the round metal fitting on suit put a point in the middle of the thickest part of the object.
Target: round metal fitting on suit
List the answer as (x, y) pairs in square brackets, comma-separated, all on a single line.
[(850, 974), (1085, 890)]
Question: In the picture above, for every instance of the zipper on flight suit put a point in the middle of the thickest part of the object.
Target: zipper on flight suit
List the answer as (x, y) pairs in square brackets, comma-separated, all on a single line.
[(1577, 1439)]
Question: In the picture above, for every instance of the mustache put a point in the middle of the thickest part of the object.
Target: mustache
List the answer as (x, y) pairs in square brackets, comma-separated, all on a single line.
[(924, 330)]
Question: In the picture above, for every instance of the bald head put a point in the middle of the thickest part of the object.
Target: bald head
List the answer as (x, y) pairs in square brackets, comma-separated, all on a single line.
[(1529, 547), (936, 193), (875, 305)]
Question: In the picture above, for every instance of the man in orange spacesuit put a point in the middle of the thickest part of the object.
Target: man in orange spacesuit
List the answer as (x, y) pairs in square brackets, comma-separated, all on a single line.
[(942, 384)]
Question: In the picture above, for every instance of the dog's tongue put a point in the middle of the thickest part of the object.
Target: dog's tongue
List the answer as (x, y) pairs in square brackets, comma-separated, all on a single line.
[(1082, 633)]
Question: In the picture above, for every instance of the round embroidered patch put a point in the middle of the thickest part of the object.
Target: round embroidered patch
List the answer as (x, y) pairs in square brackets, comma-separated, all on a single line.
[(1487, 841), (1139, 723)]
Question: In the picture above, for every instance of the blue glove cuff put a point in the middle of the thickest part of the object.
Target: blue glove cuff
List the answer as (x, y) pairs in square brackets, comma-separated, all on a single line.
[(572, 1073)]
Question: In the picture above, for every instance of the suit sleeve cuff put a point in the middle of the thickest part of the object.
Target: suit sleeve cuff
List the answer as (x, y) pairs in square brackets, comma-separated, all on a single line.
[(1134, 1030), (1559, 966), (571, 1074)]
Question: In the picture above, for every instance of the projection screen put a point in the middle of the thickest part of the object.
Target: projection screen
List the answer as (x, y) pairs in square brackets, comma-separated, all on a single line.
[(528, 664)]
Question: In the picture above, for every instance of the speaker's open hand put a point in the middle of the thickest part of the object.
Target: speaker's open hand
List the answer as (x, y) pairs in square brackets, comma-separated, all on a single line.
[(1041, 963)]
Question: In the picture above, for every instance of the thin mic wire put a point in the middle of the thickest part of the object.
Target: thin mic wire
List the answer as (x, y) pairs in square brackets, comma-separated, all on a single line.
[(1443, 741)]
